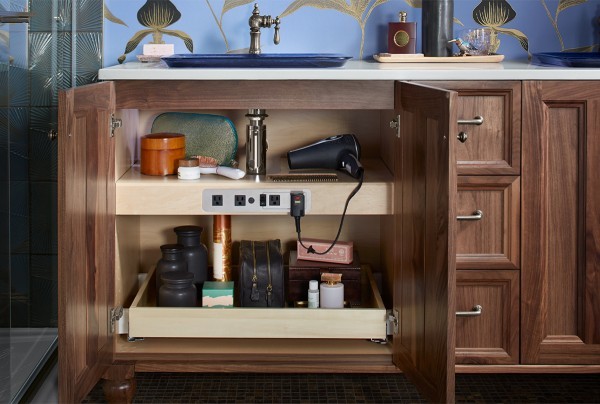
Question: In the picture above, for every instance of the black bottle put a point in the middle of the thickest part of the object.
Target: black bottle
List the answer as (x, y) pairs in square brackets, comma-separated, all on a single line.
[(177, 290), (172, 261), (437, 18), (194, 253)]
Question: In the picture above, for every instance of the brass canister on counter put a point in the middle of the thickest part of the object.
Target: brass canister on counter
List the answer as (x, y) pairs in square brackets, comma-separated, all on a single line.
[(222, 248)]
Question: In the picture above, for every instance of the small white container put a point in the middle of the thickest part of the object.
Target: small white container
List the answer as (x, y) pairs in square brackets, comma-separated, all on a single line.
[(332, 291), (313, 294), (189, 169)]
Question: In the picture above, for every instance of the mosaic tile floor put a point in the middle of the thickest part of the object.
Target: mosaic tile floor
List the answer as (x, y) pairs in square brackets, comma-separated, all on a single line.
[(353, 388)]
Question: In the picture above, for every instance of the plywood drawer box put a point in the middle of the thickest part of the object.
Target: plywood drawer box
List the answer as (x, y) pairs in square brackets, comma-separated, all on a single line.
[(490, 336), (488, 222), (146, 320)]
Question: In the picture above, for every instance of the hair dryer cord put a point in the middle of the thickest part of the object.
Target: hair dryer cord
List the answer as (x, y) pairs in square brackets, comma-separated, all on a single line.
[(310, 249)]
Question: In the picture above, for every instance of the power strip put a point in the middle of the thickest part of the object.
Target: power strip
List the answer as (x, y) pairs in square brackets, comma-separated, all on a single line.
[(240, 201)]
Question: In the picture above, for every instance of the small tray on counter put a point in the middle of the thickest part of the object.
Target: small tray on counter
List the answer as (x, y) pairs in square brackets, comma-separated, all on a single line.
[(568, 59), (420, 58)]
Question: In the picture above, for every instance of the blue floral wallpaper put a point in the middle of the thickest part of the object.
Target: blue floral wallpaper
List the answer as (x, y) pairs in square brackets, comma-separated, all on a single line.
[(354, 27)]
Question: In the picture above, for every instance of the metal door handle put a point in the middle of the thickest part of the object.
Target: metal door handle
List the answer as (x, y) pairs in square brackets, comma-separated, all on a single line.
[(14, 17), (478, 120), (477, 215), (475, 311)]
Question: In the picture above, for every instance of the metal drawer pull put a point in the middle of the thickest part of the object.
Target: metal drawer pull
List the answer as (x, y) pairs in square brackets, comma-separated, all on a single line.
[(478, 120), (477, 215), (462, 137), (475, 311)]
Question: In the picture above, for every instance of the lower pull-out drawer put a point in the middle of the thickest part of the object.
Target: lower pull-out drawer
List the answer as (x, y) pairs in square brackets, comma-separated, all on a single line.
[(487, 322), (364, 322)]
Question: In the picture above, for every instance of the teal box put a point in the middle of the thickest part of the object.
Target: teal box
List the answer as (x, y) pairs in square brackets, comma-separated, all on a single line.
[(217, 294)]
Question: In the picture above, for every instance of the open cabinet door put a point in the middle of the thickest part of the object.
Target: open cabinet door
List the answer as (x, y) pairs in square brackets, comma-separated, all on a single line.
[(86, 233), (425, 257)]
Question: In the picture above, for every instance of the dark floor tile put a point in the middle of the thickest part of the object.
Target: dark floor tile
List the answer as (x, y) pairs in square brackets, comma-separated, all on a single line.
[(344, 388)]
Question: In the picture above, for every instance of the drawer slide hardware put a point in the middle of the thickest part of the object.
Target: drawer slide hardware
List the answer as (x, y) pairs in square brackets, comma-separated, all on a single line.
[(114, 124), (118, 317), (395, 124), (477, 215), (478, 120), (475, 311), (392, 322)]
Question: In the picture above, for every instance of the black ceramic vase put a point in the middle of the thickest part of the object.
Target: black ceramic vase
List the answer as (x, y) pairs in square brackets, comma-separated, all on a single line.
[(172, 260), (194, 252), (437, 18), (177, 290)]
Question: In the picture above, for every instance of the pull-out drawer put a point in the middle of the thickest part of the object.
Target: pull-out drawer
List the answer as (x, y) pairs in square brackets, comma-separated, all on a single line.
[(487, 322), (365, 322), (488, 223)]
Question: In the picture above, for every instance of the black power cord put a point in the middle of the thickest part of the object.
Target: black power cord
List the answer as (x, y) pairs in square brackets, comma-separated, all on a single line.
[(297, 211)]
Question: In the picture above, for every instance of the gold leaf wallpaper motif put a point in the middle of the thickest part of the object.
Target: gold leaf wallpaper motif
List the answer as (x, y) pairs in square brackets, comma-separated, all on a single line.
[(157, 15), (360, 10), (494, 14), (562, 6), (498, 15)]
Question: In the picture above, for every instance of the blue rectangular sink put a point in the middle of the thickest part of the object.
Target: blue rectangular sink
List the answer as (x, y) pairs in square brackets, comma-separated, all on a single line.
[(272, 60)]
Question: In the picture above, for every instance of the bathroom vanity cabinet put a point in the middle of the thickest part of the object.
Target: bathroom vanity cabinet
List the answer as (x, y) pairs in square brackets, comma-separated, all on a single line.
[(419, 177)]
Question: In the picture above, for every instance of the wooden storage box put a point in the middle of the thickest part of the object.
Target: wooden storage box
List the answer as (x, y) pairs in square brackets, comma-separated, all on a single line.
[(146, 320), (300, 272)]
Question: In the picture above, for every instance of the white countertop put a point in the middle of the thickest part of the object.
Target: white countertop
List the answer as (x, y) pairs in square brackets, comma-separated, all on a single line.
[(355, 70)]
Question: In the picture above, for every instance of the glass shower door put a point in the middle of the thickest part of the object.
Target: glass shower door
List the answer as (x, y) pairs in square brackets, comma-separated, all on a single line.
[(26, 339)]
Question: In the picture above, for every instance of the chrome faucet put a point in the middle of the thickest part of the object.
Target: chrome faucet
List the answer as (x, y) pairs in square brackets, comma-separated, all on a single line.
[(257, 22)]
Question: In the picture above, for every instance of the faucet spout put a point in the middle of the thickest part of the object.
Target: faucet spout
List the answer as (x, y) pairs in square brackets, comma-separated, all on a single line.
[(257, 22)]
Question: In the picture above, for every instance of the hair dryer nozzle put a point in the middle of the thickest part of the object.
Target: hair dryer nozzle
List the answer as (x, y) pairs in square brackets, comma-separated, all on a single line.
[(329, 153)]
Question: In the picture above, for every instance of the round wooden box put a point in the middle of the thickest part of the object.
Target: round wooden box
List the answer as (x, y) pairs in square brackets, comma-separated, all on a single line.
[(161, 152)]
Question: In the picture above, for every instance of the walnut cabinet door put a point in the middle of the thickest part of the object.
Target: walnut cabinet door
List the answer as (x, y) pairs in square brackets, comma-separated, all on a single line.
[(425, 227), (560, 306), (86, 228)]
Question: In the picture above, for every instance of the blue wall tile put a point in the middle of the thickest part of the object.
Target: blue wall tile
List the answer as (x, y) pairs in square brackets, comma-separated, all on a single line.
[(19, 216), (43, 151), (43, 218)]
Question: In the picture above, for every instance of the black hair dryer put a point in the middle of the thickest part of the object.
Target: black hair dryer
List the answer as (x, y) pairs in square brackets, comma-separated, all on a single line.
[(340, 152)]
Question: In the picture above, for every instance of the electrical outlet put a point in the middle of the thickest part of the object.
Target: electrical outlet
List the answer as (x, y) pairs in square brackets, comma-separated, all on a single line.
[(239, 200), (274, 200), (217, 200), (270, 201)]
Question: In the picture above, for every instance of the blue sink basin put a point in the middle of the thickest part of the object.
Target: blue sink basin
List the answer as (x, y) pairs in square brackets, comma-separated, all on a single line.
[(275, 60)]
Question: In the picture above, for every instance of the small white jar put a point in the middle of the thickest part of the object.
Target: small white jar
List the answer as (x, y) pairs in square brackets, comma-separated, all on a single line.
[(189, 169)]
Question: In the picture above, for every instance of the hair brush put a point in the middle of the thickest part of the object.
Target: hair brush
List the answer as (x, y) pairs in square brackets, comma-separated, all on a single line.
[(209, 165)]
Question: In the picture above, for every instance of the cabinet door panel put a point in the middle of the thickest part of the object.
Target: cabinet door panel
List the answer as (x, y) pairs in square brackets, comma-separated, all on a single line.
[(425, 225), (561, 223), (85, 236)]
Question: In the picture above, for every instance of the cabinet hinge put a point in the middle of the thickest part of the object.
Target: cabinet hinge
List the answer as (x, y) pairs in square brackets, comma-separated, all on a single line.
[(395, 124), (392, 322), (114, 124), (119, 320)]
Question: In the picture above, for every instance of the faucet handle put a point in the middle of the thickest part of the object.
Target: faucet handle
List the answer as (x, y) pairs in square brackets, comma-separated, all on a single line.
[(276, 38)]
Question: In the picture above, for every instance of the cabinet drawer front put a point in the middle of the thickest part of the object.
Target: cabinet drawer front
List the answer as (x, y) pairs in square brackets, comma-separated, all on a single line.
[(146, 320), (492, 147), (491, 337), (488, 223)]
